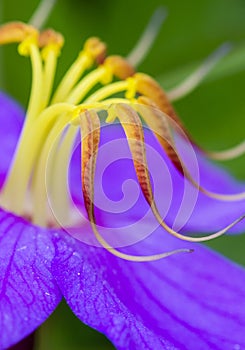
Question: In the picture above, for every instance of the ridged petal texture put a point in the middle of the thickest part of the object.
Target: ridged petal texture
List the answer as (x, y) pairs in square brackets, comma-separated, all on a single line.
[(11, 117), (28, 291), (190, 301)]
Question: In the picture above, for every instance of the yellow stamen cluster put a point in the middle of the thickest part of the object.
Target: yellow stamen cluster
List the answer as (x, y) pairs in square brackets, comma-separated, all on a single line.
[(72, 104)]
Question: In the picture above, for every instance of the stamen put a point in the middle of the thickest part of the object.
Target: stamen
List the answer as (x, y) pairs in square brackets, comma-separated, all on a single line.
[(94, 51), (107, 91), (158, 122), (112, 66), (148, 87), (90, 134), (38, 186), (21, 170), (133, 129), (192, 81), (51, 42), (146, 41), (119, 67), (42, 13), (30, 47), (49, 132), (99, 75), (159, 125), (16, 32)]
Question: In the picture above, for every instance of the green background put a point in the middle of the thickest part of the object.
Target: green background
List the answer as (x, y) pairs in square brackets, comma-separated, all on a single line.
[(214, 113)]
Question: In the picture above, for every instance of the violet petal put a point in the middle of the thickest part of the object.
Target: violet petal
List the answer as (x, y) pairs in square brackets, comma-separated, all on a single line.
[(28, 292), (188, 301), (11, 119)]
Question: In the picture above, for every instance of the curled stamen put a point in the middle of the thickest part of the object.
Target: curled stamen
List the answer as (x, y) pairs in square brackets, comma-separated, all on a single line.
[(90, 135), (133, 129)]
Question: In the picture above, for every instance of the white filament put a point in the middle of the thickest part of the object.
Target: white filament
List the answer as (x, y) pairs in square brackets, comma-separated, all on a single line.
[(145, 42), (42, 13), (193, 80)]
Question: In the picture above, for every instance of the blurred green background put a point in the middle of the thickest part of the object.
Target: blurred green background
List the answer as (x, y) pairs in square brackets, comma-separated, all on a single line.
[(214, 113)]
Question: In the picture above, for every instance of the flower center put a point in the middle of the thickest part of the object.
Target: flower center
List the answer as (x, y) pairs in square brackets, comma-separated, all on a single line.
[(54, 117), (49, 112)]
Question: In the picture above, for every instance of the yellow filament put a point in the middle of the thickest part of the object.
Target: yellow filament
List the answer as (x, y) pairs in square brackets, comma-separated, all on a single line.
[(100, 75), (72, 76), (106, 91), (18, 178), (59, 190), (35, 101), (38, 185), (50, 58)]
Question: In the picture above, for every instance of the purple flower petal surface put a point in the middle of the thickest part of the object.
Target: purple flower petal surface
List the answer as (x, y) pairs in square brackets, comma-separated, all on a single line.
[(188, 301), (11, 118), (28, 292)]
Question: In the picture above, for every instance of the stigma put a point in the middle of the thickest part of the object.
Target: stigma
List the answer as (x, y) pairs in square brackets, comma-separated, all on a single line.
[(94, 82)]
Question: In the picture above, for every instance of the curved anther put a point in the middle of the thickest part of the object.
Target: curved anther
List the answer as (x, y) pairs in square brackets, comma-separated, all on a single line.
[(133, 129), (159, 124), (120, 68), (16, 32), (51, 39), (148, 87), (96, 49), (90, 135)]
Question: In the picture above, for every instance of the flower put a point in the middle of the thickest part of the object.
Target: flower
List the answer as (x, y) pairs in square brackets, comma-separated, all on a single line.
[(41, 262)]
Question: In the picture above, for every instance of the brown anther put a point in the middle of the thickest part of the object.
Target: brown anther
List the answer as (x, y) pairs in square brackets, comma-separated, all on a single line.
[(96, 48), (15, 32), (147, 101), (161, 129), (148, 87), (49, 36), (119, 67)]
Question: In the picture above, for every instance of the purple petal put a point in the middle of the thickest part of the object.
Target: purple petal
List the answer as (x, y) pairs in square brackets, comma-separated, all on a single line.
[(11, 119), (188, 301), (117, 190), (28, 292)]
